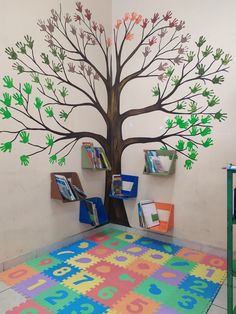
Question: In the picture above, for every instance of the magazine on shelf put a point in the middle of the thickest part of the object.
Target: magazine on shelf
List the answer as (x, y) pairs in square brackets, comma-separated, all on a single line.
[(116, 184), (150, 215), (156, 163), (64, 188)]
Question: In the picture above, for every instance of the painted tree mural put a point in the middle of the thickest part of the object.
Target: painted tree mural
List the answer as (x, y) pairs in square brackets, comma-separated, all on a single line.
[(182, 87)]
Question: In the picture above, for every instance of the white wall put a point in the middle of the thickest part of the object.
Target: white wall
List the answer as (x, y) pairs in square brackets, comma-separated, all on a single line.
[(29, 219), (199, 195)]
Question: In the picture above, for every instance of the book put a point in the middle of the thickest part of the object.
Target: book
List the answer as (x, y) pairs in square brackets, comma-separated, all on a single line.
[(78, 192), (64, 188), (116, 187), (150, 213), (155, 163), (92, 211)]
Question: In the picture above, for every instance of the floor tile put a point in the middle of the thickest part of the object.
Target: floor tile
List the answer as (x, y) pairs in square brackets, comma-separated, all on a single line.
[(216, 310), (221, 299), (3, 286), (10, 299)]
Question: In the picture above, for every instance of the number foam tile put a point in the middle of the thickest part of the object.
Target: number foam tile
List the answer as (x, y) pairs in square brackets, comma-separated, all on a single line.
[(143, 267), (135, 249), (61, 272), (134, 303), (187, 303), (83, 282), (34, 285), (169, 276), (83, 261), (180, 264), (55, 298), (101, 251), (156, 257), (200, 287), (128, 237), (121, 259), (83, 304), (115, 243), (215, 261), (209, 273), (191, 255), (156, 290), (43, 262), (17, 274), (28, 307)]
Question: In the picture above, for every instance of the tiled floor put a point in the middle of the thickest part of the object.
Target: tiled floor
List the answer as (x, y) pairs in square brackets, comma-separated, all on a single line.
[(9, 298)]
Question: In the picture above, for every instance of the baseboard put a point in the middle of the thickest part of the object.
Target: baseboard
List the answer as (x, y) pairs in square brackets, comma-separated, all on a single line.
[(166, 238)]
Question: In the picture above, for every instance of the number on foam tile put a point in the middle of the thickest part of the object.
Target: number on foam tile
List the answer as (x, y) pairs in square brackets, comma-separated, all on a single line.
[(216, 262), (188, 302), (136, 306), (61, 294), (210, 272), (37, 284), (61, 271), (107, 293), (17, 274), (199, 286), (84, 279), (86, 308)]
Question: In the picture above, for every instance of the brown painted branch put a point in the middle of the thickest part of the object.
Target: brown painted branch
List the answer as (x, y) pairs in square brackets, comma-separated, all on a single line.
[(135, 112)]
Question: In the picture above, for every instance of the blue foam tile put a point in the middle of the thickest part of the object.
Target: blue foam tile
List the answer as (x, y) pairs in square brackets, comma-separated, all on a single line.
[(83, 304), (200, 287), (159, 245), (74, 249), (61, 272)]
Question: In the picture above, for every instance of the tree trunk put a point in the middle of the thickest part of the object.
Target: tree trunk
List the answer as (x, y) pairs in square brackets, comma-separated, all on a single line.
[(115, 207)]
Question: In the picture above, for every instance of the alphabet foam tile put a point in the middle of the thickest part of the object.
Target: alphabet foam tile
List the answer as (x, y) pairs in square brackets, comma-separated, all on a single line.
[(143, 267), (61, 272), (201, 287), (120, 259), (55, 298), (134, 249), (191, 255), (43, 262), (209, 273), (83, 261), (101, 251), (17, 274), (135, 303), (34, 285), (28, 307), (128, 237), (82, 282), (169, 276), (157, 257), (84, 304)]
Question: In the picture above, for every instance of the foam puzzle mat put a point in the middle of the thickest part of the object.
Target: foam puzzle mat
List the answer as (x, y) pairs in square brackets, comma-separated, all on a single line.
[(117, 272)]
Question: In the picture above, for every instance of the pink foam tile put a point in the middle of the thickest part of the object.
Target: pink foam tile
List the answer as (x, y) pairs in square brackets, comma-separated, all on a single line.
[(98, 238), (101, 251), (215, 261), (28, 307), (105, 269)]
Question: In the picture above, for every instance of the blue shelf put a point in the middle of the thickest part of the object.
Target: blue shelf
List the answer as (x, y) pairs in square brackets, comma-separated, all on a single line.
[(125, 195), (101, 211)]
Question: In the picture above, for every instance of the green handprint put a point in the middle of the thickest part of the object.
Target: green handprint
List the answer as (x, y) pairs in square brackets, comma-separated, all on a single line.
[(213, 101), (50, 84), (180, 145), (57, 67), (8, 82), (181, 123), (190, 56), (5, 113), (227, 59), (206, 119), (201, 69), (188, 164), (218, 79), (194, 131), (49, 112), (27, 88), (169, 71), (35, 78), (64, 92), (218, 54), (45, 58), (62, 54), (190, 145), (208, 50), (24, 159), (175, 80), (193, 119), (22, 47), (62, 161), (181, 105), (63, 115), (11, 53), (205, 131), (196, 88), (54, 51), (6, 99), (50, 140), (155, 91), (19, 99), (207, 143), (38, 103), (193, 154), (29, 41), (24, 137), (207, 93), (18, 67), (6, 147), (201, 41), (220, 116), (53, 159), (163, 148), (169, 124)]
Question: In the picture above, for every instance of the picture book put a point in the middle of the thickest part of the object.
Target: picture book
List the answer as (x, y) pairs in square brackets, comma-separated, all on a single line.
[(150, 214), (116, 184), (64, 188)]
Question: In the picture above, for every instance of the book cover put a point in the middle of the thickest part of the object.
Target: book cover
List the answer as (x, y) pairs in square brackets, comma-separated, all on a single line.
[(116, 184), (90, 209), (78, 192), (150, 213), (64, 188)]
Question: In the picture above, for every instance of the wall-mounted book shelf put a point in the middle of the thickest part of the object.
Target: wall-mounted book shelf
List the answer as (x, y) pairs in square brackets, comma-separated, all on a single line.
[(159, 162), (129, 187), (94, 157), (74, 181), (165, 213), (85, 213)]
